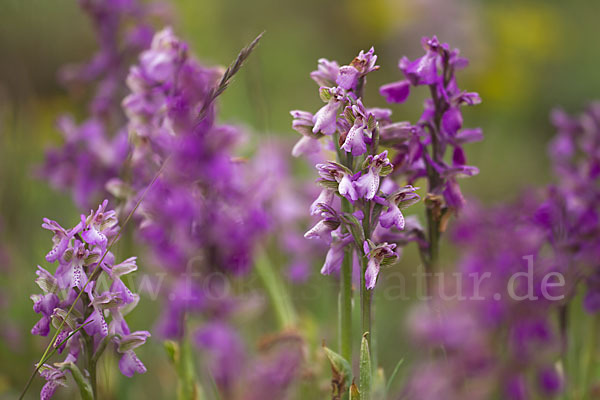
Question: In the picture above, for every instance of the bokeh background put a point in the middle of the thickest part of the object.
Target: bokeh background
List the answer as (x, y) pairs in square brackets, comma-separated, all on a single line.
[(527, 56)]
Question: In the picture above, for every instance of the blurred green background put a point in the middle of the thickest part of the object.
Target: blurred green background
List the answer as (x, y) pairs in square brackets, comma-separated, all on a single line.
[(527, 56)]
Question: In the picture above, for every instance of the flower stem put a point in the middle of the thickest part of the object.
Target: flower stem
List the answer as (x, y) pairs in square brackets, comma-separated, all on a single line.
[(433, 250), (345, 328), (345, 299), (345, 296), (284, 309), (91, 363), (590, 357), (366, 294)]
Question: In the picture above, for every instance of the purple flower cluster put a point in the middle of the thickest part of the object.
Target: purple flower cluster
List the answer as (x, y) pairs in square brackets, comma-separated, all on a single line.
[(200, 206), (95, 150), (357, 175), (421, 149), (268, 375), (201, 217), (82, 254), (504, 242), (491, 328), (570, 215)]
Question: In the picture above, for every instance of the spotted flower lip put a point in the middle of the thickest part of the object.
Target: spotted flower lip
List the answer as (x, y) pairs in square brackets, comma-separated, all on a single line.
[(395, 202), (361, 131), (325, 119), (392, 217), (54, 378), (378, 255), (367, 185), (355, 140), (130, 364)]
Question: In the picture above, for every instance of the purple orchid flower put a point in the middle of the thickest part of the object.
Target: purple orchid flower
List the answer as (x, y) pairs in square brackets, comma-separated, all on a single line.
[(396, 92), (335, 255), (397, 201), (326, 73), (378, 255), (325, 119), (367, 185), (322, 230), (361, 130)]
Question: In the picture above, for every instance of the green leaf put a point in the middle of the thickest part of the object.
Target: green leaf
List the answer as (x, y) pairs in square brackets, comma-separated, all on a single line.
[(339, 365), (365, 369), (181, 358), (279, 295), (172, 349), (85, 388), (393, 376)]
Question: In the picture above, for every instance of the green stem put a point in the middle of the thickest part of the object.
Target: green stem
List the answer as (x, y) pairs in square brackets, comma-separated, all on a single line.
[(365, 294), (366, 302), (345, 295), (88, 342), (590, 357), (433, 251), (345, 327), (91, 364), (563, 322), (187, 388), (286, 314)]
